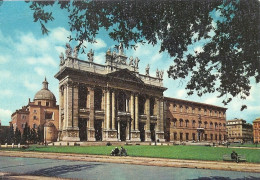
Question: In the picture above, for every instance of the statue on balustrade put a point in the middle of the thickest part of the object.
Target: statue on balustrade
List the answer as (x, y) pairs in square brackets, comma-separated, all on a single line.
[(61, 58), (90, 55), (76, 52), (147, 70), (137, 60), (68, 50), (131, 61), (157, 73)]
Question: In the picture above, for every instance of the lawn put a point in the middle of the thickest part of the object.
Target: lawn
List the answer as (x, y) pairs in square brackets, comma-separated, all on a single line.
[(172, 152)]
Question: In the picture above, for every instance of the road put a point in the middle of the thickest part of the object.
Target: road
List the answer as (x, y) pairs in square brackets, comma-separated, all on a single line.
[(99, 170)]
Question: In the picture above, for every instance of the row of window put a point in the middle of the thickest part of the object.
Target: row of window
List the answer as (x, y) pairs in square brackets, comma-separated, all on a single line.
[(34, 126), (187, 110), (199, 137), (40, 103), (200, 125)]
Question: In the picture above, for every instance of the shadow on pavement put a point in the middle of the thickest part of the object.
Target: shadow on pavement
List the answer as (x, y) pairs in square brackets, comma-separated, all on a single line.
[(59, 170), (225, 178)]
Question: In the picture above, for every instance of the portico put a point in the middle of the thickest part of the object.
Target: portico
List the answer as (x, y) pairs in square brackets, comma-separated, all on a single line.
[(111, 102)]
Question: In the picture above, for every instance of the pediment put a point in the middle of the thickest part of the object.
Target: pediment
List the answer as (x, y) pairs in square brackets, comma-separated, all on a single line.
[(125, 75)]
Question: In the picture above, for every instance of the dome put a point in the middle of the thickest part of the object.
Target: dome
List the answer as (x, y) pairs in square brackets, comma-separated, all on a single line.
[(44, 93)]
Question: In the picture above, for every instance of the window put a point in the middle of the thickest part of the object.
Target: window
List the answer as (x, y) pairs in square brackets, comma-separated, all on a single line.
[(34, 111), (216, 137), (23, 125), (23, 117), (193, 110), (47, 103), (216, 125), (187, 136), (187, 109), (181, 108), (211, 124), (175, 136), (199, 124), (186, 123), (174, 123), (193, 136), (34, 126), (205, 112), (181, 138), (34, 117), (39, 103), (193, 123), (181, 122), (174, 107), (49, 115), (211, 137)]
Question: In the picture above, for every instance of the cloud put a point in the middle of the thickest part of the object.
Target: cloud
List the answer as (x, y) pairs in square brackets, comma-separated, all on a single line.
[(100, 58), (181, 93), (59, 34), (31, 86), (4, 59), (60, 49), (44, 60), (211, 100), (156, 57), (198, 49), (5, 92), (39, 71), (100, 44), (4, 74), (5, 116)]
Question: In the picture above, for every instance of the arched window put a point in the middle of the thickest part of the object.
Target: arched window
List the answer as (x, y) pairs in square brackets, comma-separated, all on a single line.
[(181, 108), (205, 124), (187, 109), (200, 124), (186, 122), (193, 123), (216, 125), (211, 125), (174, 107), (205, 112), (181, 122), (174, 122)]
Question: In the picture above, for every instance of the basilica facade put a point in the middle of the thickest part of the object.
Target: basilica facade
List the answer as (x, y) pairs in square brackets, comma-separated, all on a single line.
[(114, 102)]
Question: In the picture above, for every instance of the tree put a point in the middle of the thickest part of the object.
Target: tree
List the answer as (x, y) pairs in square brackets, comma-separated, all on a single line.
[(26, 134), (40, 133), (230, 57), (17, 136), (10, 137), (33, 136)]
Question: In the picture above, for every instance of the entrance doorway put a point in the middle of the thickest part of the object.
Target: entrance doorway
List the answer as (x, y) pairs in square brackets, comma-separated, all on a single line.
[(123, 130), (142, 131), (98, 130), (152, 129), (82, 129)]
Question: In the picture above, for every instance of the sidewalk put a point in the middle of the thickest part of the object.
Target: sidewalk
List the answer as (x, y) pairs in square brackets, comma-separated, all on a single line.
[(214, 165)]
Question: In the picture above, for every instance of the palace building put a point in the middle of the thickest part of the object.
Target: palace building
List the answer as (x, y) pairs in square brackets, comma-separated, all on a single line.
[(239, 130), (114, 102), (256, 130), (42, 111)]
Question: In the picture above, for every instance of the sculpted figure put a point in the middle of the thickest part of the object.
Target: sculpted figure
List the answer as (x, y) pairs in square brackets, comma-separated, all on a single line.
[(161, 74), (157, 73), (131, 61), (90, 55), (121, 49), (68, 50), (147, 70), (75, 52), (137, 60), (114, 55), (61, 58)]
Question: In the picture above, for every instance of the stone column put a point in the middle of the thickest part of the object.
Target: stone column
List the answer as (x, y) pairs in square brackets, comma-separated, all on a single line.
[(147, 126), (135, 133), (65, 109), (132, 111), (136, 113), (108, 110), (91, 129), (61, 112), (113, 110), (71, 132), (118, 131), (160, 117)]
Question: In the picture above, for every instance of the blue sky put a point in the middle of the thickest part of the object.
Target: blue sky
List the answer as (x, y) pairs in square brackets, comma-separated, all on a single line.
[(26, 57)]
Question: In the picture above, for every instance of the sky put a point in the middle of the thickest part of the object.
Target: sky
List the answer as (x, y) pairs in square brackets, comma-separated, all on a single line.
[(27, 57)]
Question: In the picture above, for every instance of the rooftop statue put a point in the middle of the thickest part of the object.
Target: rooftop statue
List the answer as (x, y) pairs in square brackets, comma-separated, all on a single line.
[(137, 60), (147, 70), (131, 61), (161, 74), (75, 52), (121, 49), (114, 55), (157, 73), (61, 58), (68, 50), (90, 55)]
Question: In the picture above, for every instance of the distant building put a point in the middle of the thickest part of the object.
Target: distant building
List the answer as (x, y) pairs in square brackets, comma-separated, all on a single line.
[(194, 121), (239, 130), (42, 111), (256, 130)]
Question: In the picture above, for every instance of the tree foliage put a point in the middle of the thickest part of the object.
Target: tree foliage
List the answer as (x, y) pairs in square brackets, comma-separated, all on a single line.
[(230, 57)]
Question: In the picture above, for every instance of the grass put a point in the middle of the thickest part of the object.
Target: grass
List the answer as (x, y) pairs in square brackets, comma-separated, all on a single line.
[(172, 152)]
